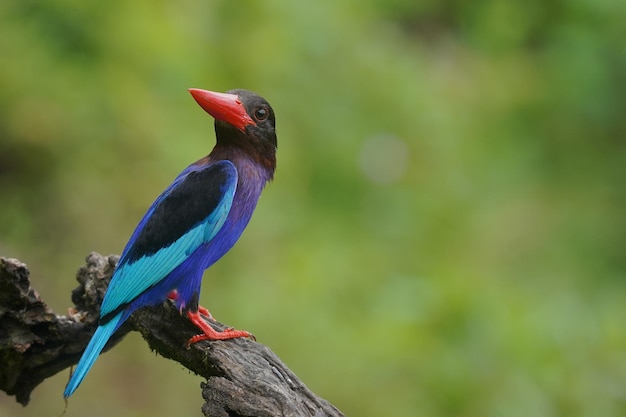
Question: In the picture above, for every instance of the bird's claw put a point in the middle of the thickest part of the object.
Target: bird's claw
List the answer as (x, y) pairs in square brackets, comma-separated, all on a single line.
[(230, 334), (205, 312), (209, 333)]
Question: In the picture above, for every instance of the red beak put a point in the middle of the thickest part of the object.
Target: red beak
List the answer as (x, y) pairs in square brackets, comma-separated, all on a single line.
[(225, 107)]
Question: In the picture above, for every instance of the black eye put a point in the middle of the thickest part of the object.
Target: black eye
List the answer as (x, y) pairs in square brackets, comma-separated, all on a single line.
[(261, 114)]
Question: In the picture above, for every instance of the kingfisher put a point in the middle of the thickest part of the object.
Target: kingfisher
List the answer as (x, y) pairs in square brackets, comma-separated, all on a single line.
[(193, 223)]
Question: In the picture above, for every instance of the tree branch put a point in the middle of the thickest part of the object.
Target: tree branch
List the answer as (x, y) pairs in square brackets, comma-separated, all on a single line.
[(244, 378)]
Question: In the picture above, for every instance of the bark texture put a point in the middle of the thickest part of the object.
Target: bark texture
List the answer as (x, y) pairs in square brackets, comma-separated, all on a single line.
[(244, 378)]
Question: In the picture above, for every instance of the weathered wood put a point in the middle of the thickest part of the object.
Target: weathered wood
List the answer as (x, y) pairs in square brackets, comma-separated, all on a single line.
[(244, 378)]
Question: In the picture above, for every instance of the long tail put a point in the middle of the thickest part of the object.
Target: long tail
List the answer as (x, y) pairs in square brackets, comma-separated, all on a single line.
[(95, 346)]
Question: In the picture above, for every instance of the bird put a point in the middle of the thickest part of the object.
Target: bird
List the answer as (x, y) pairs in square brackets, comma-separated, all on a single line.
[(193, 223)]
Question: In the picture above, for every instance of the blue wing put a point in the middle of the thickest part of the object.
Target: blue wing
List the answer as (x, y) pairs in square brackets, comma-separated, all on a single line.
[(188, 214)]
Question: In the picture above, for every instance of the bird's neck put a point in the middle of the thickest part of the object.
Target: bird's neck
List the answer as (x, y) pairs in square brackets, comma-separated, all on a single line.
[(252, 167), (234, 144)]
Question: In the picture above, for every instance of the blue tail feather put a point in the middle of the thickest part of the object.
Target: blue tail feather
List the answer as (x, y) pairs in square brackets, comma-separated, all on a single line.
[(96, 344)]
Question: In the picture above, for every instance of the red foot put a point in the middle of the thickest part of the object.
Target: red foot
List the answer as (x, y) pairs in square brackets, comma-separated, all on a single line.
[(210, 333)]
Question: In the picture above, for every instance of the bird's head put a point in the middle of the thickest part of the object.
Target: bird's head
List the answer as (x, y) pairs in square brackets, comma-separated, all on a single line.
[(241, 117)]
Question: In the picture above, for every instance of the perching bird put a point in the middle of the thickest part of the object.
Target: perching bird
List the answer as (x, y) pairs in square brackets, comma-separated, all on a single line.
[(193, 223)]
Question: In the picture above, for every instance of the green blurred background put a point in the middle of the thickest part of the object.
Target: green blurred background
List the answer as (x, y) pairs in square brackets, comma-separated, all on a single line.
[(445, 235)]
